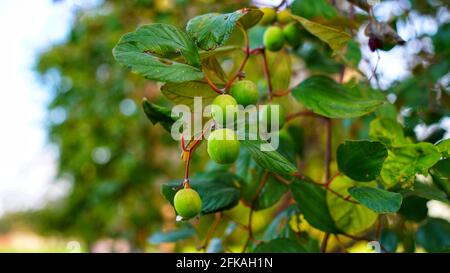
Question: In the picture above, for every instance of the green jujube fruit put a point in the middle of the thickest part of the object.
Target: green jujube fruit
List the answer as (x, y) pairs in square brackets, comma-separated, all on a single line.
[(292, 34), (222, 109), (223, 146), (269, 16), (273, 38), (245, 92), (187, 203)]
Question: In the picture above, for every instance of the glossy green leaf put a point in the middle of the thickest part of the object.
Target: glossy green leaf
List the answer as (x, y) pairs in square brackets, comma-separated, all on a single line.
[(404, 162), (311, 200), (269, 160), (157, 114), (149, 51), (444, 147), (441, 175), (270, 194), (335, 38), (280, 245), (434, 235), (387, 131), (429, 192), (217, 191), (353, 53), (325, 97), (376, 199), (361, 160), (349, 217), (213, 30), (251, 174), (172, 236), (184, 93)]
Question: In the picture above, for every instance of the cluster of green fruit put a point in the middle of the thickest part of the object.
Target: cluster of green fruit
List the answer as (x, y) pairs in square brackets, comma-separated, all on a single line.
[(223, 144), (282, 29)]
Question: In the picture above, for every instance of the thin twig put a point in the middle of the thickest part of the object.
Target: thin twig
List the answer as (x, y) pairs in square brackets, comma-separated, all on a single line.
[(282, 93), (323, 248), (213, 86), (305, 113), (218, 217), (322, 185), (267, 75), (327, 149), (244, 61), (250, 216)]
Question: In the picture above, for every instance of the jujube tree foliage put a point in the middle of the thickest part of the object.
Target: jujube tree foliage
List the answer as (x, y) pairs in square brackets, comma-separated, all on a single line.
[(374, 173), (349, 167)]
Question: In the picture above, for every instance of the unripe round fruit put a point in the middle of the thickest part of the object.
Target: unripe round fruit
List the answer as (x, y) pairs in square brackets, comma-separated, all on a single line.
[(265, 116), (187, 203), (284, 17), (269, 16), (245, 92), (222, 107), (223, 146), (292, 34), (273, 38)]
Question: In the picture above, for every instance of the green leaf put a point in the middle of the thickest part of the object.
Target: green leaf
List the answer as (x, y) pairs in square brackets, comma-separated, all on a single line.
[(441, 175), (434, 235), (150, 51), (269, 160), (389, 240), (217, 191), (219, 51), (335, 38), (280, 245), (429, 192), (184, 93), (444, 147), (353, 54), (157, 114), (361, 160), (250, 174), (279, 227), (378, 200), (349, 217), (404, 162), (270, 194), (311, 200), (172, 236), (387, 131), (325, 97), (212, 30), (280, 69), (212, 68), (311, 9), (414, 208)]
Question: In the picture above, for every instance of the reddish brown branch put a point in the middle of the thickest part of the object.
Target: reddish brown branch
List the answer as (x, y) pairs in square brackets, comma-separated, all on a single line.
[(267, 75), (327, 149), (213, 86), (218, 217), (323, 248), (282, 94), (244, 61), (322, 185), (250, 216), (305, 113)]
